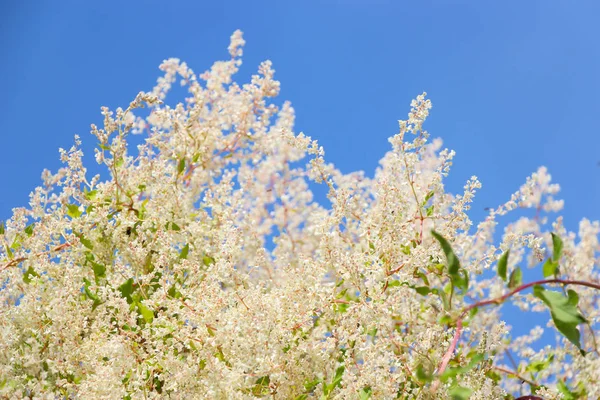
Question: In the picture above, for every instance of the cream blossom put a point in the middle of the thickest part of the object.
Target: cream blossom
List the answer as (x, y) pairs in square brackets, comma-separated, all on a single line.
[(204, 267)]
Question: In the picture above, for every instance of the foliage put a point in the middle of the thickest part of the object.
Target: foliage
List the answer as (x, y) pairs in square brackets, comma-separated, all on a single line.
[(204, 266)]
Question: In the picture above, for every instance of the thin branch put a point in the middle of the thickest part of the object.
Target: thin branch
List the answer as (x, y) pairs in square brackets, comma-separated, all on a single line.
[(497, 300), (16, 261), (516, 375)]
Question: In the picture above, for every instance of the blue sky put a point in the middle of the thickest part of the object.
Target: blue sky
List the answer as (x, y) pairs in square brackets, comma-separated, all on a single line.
[(514, 84)]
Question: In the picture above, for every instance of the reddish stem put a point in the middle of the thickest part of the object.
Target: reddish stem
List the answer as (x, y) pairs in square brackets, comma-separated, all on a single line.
[(500, 300)]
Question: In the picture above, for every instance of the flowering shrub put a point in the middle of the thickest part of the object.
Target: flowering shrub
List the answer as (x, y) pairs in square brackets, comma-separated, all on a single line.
[(204, 267)]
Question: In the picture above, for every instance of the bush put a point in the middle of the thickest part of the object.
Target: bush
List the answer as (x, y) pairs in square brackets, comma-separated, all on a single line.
[(205, 268)]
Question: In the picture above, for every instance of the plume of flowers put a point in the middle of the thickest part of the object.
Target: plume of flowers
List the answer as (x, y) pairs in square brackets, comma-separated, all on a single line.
[(204, 267)]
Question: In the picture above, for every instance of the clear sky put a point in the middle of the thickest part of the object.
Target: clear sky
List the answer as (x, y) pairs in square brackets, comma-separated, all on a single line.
[(514, 84)]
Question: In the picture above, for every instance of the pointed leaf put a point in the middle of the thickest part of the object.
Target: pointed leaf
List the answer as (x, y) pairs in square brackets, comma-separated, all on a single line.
[(453, 262), (550, 268), (365, 393), (423, 374), (460, 393), (146, 313), (502, 265), (564, 312), (208, 260), (73, 211), (423, 290), (564, 389), (337, 380), (87, 243), (29, 230), (29, 274), (90, 195), (126, 289), (428, 196), (181, 166), (173, 292), (557, 248), (91, 295), (184, 252), (172, 226), (516, 278), (99, 270), (455, 371)]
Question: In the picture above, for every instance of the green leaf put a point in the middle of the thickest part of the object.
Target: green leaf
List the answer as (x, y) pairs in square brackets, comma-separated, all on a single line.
[(429, 210), (263, 380), (73, 211), (516, 278), (427, 197), (172, 226), (181, 166), (148, 266), (421, 275), (564, 312), (126, 289), (90, 195), (573, 297), (91, 295), (184, 252), (565, 308), (502, 263), (87, 243), (16, 243), (211, 332), (460, 393), (208, 260), (2, 228), (8, 252), (423, 290), (445, 320), (261, 387), (453, 262), (337, 380), (423, 375), (564, 389), (310, 386), (104, 147), (394, 283), (146, 313), (29, 230), (99, 270), (473, 312), (371, 247), (173, 292), (445, 300), (28, 274), (221, 357), (405, 249), (458, 277), (452, 372), (557, 248), (365, 393), (461, 280), (550, 268)]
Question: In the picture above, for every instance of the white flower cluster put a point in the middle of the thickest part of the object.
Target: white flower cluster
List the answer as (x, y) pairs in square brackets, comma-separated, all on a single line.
[(204, 267)]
